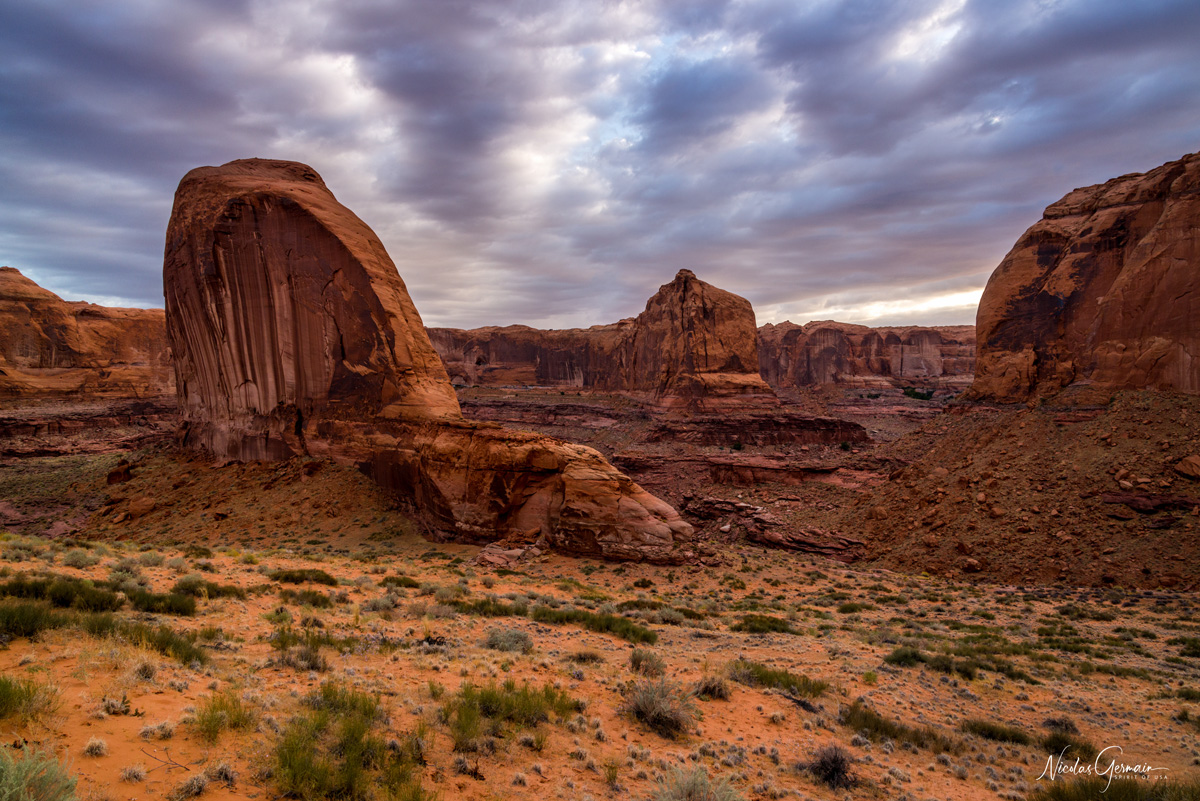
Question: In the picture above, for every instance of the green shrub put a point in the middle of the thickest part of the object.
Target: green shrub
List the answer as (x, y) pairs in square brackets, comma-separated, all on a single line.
[(662, 706), (26, 698), (79, 558), (28, 775), (508, 640), (223, 711), (169, 603), (608, 624), (28, 618), (996, 731), (1090, 788), (861, 718), (300, 575), (1064, 743), (646, 662), (710, 687), (197, 586), (905, 656), (490, 607), (314, 598), (332, 751), (399, 581), (694, 785), (763, 624), (755, 674)]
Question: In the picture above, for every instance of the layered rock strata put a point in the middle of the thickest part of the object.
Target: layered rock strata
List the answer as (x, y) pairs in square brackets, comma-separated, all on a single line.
[(828, 352), (49, 346), (1102, 291), (692, 348), (294, 334)]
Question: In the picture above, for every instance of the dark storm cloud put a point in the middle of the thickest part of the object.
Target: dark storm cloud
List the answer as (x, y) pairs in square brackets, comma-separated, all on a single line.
[(554, 162)]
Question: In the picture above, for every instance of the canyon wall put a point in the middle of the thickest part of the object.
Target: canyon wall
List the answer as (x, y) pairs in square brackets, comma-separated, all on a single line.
[(51, 347), (828, 352), (293, 334), (693, 348), (1101, 291)]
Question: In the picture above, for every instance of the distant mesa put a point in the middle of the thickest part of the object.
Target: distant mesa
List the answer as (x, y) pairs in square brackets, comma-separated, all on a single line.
[(828, 352), (53, 347), (1103, 291), (293, 333), (693, 349)]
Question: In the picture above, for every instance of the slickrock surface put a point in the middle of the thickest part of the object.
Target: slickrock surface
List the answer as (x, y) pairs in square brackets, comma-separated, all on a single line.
[(693, 348), (828, 352), (49, 346), (1101, 290), (294, 334)]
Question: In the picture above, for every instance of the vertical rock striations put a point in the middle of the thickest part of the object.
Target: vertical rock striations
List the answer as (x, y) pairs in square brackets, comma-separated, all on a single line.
[(1102, 290), (293, 334)]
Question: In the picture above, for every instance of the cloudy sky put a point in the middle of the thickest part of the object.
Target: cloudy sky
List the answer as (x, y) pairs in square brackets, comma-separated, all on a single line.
[(553, 162)]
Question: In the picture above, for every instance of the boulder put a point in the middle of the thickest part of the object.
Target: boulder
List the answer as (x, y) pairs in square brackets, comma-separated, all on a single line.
[(293, 334), (1103, 290)]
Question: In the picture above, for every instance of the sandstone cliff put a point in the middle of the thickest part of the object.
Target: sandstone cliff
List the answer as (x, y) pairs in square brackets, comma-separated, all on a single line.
[(1102, 290), (293, 334), (693, 348), (828, 352), (49, 346)]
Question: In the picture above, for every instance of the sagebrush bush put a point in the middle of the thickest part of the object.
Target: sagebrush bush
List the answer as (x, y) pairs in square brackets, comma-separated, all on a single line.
[(711, 687), (509, 640), (647, 663), (694, 785), (29, 774), (662, 706), (831, 765)]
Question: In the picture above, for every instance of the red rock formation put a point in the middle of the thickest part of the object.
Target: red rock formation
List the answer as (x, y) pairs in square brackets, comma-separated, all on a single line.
[(294, 334), (692, 348), (829, 352), (49, 346), (1101, 290)]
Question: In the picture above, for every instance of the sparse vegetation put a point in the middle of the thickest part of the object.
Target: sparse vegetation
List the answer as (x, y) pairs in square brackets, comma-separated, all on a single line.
[(869, 723), (662, 706), (755, 674)]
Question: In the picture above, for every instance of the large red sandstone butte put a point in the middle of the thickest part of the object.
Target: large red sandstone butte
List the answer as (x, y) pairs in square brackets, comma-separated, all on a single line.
[(828, 352), (294, 334), (693, 348), (49, 346), (1103, 290)]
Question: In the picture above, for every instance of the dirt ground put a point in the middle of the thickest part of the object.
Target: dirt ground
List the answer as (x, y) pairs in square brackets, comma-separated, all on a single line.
[(942, 648)]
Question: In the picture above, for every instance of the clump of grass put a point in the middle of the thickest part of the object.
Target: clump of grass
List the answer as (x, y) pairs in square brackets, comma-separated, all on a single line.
[(755, 674), (314, 598), (996, 731), (645, 662), (197, 586), (399, 581), (490, 607), (30, 774), (907, 656), (490, 710), (711, 687), (514, 640), (223, 711), (63, 592), (301, 575), (79, 558), (586, 657), (763, 624), (1064, 743), (172, 603), (95, 747), (661, 706), (866, 721), (694, 785), (1090, 788), (28, 618), (831, 765), (26, 699), (853, 607), (621, 627)]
